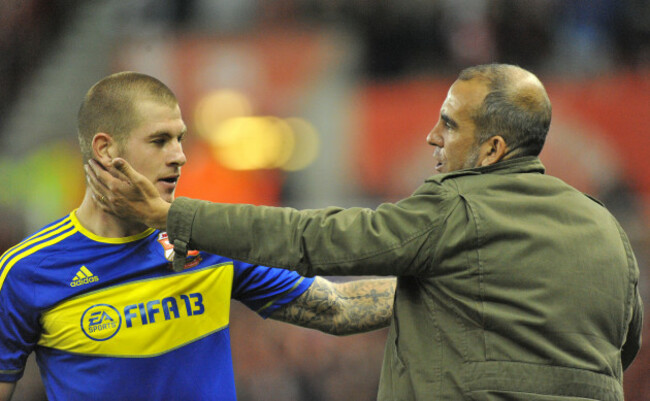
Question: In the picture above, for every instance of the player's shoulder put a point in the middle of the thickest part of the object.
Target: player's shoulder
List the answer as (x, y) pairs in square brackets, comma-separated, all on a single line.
[(36, 247)]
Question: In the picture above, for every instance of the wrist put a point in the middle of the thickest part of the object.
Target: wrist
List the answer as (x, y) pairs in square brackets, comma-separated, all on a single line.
[(158, 216)]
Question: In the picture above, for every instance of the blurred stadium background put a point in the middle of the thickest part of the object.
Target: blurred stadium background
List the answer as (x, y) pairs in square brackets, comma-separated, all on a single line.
[(310, 103)]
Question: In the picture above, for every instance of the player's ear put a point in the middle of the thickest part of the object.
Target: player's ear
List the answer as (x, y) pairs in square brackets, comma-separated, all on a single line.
[(104, 147), (492, 150)]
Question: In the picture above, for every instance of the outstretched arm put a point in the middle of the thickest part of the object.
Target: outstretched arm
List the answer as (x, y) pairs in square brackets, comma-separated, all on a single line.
[(342, 308)]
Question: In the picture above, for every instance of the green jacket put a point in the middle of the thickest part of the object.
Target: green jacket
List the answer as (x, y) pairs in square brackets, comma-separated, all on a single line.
[(511, 284)]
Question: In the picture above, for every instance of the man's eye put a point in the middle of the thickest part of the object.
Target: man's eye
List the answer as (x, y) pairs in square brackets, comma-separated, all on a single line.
[(448, 126), (158, 141)]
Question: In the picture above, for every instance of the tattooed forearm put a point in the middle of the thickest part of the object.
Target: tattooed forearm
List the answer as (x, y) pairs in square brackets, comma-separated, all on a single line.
[(342, 308)]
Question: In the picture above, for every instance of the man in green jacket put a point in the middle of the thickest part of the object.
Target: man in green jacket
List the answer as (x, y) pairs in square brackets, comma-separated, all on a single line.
[(511, 285)]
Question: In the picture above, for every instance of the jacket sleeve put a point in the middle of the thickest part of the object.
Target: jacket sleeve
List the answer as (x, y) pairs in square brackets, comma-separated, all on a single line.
[(330, 241)]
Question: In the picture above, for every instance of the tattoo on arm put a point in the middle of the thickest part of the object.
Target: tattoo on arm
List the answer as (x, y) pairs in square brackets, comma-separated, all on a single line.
[(342, 308)]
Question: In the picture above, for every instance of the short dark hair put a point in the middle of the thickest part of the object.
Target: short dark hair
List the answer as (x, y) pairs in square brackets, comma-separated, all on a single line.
[(521, 117), (109, 106)]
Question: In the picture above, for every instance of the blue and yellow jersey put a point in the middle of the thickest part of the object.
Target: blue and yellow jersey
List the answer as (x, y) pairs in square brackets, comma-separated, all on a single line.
[(108, 318)]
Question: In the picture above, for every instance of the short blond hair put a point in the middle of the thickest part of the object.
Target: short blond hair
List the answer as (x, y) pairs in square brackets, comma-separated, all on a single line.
[(110, 106)]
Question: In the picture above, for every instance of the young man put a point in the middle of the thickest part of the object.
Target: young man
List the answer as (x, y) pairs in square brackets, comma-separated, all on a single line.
[(511, 284), (95, 297)]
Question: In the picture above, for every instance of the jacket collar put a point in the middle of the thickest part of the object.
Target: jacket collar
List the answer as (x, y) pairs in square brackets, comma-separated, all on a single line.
[(525, 164)]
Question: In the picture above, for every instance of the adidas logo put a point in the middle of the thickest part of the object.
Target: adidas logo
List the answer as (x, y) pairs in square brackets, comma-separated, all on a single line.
[(83, 276)]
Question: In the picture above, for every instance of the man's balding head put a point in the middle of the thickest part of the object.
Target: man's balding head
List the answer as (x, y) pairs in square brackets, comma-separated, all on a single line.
[(516, 107)]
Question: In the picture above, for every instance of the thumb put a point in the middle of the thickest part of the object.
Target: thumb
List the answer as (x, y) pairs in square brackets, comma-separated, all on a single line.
[(132, 176), (124, 167)]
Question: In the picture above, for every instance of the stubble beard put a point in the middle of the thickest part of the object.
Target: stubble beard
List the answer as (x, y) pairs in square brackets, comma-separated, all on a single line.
[(472, 159)]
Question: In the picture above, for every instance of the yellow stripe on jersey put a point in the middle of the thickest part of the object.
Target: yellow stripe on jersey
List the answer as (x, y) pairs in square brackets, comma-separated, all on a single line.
[(34, 238), (9, 263), (106, 240), (271, 302), (143, 318)]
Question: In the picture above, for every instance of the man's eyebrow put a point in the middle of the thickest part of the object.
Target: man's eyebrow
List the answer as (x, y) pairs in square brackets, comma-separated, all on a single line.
[(166, 133), (448, 120)]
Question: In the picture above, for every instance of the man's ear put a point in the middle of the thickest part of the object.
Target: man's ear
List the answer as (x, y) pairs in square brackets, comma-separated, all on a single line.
[(493, 150), (104, 148)]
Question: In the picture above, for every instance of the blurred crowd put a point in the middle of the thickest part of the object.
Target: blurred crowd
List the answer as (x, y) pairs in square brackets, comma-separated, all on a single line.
[(414, 36), (399, 37), (27, 29)]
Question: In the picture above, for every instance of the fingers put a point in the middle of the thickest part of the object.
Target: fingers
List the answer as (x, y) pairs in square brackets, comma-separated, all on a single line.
[(135, 180), (112, 169), (98, 173), (120, 190), (99, 191), (103, 182), (125, 169), (109, 176)]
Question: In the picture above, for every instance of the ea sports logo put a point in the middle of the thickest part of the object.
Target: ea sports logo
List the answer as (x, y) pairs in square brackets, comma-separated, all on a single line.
[(101, 322)]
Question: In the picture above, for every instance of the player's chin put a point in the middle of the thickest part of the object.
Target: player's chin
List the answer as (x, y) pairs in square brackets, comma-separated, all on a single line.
[(169, 197), (166, 191)]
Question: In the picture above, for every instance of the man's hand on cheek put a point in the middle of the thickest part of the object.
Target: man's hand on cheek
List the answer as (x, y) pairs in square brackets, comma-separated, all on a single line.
[(122, 191)]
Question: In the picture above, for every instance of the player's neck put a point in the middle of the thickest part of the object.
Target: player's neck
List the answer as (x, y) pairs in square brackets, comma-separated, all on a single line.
[(103, 224)]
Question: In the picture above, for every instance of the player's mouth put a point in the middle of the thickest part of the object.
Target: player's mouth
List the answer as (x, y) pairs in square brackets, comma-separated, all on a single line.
[(440, 165), (169, 181), (438, 157)]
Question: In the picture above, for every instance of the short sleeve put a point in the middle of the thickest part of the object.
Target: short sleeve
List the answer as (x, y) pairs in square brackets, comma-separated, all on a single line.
[(266, 289), (19, 328)]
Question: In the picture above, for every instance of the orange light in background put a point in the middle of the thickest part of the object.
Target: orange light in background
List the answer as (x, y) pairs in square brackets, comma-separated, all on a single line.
[(218, 106), (307, 145), (252, 143), (241, 141)]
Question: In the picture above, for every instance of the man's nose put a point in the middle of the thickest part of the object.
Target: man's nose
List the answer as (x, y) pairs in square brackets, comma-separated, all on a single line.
[(433, 138), (178, 156)]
